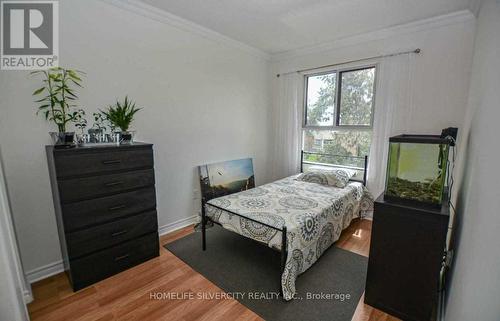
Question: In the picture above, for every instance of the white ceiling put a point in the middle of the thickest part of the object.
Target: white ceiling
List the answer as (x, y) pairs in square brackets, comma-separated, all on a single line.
[(281, 25)]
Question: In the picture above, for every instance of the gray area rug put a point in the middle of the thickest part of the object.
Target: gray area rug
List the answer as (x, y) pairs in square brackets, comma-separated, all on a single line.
[(329, 290)]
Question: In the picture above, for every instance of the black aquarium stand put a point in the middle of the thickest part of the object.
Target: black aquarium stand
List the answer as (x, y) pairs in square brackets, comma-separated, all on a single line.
[(105, 204), (406, 255)]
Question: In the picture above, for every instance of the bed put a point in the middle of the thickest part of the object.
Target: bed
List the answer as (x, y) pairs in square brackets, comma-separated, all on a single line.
[(300, 219)]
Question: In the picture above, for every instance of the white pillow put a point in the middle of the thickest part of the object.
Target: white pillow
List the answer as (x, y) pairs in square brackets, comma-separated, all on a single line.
[(337, 177)]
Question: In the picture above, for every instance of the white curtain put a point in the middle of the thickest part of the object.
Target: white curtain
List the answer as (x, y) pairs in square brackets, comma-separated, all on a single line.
[(393, 114), (286, 126)]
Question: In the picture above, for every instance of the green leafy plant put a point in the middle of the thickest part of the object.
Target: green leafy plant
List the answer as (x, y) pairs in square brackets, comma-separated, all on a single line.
[(80, 121), (100, 121), (121, 114), (59, 96)]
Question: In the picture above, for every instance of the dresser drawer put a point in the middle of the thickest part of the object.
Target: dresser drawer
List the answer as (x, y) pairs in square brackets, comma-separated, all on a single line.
[(85, 163), (97, 266), (76, 189), (81, 214), (103, 236)]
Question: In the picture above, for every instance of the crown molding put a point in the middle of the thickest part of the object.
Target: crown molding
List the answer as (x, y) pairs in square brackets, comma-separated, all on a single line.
[(408, 28), (159, 15)]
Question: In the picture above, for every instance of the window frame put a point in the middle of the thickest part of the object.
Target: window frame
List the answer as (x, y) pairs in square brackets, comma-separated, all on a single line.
[(338, 97)]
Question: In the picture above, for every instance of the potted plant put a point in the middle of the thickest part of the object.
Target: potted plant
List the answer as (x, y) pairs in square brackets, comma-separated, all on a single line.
[(98, 129), (121, 116), (59, 99), (80, 121), (81, 124)]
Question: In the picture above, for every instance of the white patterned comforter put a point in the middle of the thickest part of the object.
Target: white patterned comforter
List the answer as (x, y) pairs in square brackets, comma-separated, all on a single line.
[(313, 214)]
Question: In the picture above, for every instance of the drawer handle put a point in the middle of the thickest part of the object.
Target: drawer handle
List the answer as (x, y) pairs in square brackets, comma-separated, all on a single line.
[(119, 233), (110, 184), (111, 162), (119, 258), (116, 208)]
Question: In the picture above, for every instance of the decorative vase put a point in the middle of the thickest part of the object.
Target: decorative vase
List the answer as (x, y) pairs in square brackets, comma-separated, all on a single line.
[(95, 135), (127, 137), (63, 138)]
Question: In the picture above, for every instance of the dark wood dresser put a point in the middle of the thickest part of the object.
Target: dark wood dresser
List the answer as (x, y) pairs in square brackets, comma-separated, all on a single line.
[(406, 255), (105, 206)]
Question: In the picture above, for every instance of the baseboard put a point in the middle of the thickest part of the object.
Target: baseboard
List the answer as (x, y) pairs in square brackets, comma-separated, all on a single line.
[(45, 271), (170, 227), (50, 269), (28, 297)]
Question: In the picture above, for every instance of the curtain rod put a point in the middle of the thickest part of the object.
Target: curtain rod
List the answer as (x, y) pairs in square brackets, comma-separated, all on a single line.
[(415, 51)]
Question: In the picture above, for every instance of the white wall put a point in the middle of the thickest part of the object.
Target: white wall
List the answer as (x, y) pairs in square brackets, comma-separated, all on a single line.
[(475, 278), (203, 101)]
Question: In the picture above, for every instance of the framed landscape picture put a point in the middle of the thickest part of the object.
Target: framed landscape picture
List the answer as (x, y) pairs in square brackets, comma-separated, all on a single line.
[(224, 178)]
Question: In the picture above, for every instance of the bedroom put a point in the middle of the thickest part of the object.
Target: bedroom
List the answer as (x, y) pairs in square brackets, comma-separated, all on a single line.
[(205, 77)]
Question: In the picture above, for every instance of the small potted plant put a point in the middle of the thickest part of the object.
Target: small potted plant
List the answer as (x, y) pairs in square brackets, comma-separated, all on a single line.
[(59, 100), (121, 116), (98, 129), (80, 121), (81, 124)]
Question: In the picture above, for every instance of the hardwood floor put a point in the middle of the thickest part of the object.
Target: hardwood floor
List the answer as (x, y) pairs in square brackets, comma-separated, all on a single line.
[(127, 296)]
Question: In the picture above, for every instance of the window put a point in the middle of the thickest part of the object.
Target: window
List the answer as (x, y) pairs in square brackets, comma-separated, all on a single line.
[(318, 144), (328, 142), (338, 110)]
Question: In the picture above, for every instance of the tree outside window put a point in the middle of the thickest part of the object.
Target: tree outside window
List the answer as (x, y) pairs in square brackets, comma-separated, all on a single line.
[(339, 114)]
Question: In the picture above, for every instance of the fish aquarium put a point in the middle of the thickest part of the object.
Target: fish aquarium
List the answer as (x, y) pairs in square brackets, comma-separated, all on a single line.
[(416, 169)]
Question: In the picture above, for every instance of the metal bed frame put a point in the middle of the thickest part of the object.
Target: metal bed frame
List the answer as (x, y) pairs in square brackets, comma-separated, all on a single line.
[(284, 249), (364, 168)]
